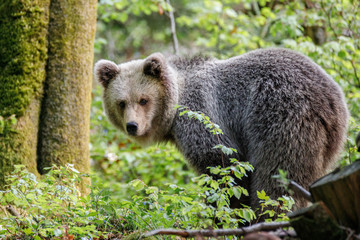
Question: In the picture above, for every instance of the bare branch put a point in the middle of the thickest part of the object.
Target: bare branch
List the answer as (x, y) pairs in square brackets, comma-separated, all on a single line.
[(355, 72), (351, 234), (173, 29), (300, 190), (328, 15), (220, 232)]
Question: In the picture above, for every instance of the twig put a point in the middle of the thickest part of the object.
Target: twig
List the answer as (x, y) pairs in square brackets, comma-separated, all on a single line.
[(220, 232), (348, 148), (328, 15), (355, 72), (300, 190), (351, 234), (173, 28)]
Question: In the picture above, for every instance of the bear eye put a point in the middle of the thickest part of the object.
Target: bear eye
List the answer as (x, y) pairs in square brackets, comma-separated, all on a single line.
[(122, 104), (143, 102)]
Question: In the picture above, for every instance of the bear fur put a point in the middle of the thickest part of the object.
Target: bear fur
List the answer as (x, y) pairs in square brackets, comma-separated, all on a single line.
[(275, 106)]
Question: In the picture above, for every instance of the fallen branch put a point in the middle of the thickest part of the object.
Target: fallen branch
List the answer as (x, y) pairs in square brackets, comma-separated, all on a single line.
[(219, 232), (351, 234), (300, 190)]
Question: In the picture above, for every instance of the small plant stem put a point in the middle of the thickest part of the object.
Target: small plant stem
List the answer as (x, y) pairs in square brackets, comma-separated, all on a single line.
[(173, 29)]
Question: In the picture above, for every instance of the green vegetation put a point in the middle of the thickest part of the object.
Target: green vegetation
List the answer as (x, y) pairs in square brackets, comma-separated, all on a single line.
[(136, 190), (22, 63), (54, 208), (327, 31)]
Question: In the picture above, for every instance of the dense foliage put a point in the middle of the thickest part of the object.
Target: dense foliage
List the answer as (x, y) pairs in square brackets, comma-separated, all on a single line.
[(327, 31), (135, 190)]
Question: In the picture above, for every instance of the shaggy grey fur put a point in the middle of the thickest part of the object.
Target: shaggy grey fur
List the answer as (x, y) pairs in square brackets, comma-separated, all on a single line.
[(277, 107)]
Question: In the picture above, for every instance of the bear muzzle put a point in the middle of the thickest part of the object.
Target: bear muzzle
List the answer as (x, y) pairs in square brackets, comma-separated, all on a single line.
[(131, 128)]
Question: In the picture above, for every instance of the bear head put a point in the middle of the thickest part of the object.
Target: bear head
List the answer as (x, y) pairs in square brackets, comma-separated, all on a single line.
[(139, 96)]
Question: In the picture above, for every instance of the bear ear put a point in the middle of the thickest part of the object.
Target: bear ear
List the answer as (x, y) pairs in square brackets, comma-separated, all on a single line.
[(105, 71), (155, 65)]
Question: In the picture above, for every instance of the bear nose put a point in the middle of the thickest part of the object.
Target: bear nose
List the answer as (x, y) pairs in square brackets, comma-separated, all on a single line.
[(131, 128)]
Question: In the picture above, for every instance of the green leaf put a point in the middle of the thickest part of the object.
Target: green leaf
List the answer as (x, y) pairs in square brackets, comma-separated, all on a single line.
[(237, 192), (92, 214), (137, 184), (245, 192), (230, 12), (123, 16), (27, 231), (215, 170), (262, 195), (271, 213), (247, 214), (214, 184), (57, 232), (342, 54), (213, 198), (183, 112)]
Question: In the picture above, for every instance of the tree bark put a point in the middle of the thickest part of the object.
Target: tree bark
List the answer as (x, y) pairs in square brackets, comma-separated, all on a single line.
[(340, 191), (64, 122), (46, 60), (316, 222), (23, 54)]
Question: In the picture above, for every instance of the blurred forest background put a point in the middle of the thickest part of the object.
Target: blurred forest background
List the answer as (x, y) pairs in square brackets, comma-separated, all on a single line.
[(327, 31), (135, 190)]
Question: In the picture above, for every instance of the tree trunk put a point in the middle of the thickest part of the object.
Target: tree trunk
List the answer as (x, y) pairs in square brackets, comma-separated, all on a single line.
[(340, 191), (64, 122), (41, 38), (316, 222), (23, 53)]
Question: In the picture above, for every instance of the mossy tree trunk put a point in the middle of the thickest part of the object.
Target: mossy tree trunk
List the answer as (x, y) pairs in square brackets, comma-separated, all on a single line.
[(23, 54), (64, 121), (46, 59)]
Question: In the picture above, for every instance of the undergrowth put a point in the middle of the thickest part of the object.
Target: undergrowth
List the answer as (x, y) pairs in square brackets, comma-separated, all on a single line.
[(53, 208), (133, 191)]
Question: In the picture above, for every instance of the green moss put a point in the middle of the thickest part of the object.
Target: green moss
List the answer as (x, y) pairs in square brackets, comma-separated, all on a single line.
[(60, 35), (23, 51), (19, 145), (65, 116)]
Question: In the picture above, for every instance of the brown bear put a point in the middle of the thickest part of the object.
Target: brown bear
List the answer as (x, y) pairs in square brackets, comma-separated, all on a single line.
[(275, 106)]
